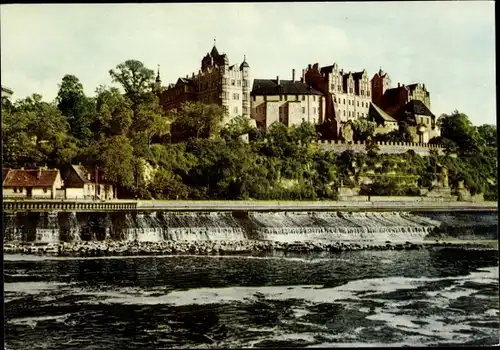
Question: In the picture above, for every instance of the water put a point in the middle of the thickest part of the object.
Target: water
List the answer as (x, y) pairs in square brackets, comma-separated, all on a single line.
[(366, 298), (282, 226)]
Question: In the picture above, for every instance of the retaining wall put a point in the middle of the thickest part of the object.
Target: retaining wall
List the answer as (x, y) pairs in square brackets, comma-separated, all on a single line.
[(422, 149)]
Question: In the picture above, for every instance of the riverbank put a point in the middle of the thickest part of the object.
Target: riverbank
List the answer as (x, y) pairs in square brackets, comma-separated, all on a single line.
[(376, 204), (245, 248)]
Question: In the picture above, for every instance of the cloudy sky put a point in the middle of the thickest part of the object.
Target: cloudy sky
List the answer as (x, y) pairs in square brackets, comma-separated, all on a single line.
[(447, 45)]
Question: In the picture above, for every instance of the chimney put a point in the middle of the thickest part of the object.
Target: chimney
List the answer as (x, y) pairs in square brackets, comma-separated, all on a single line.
[(303, 75), (293, 75), (399, 85), (278, 80), (39, 173)]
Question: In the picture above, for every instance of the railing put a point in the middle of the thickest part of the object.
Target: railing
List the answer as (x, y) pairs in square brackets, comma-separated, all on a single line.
[(65, 205)]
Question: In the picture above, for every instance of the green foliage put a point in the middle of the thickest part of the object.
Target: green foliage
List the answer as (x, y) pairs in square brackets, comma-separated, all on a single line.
[(363, 129), (128, 137)]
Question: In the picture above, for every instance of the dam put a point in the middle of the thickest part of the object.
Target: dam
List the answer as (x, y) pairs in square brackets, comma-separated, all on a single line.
[(284, 226)]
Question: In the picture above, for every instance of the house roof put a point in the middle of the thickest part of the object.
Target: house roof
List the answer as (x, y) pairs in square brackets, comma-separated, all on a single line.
[(30, 178), (381, 113), (4, 173), (417, 107), (286, 87)]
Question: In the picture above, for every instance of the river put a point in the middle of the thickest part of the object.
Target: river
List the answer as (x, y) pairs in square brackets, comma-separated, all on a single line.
[(365, 298)]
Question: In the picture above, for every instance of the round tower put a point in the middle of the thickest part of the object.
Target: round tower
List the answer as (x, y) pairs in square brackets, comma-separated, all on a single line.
[(245, 74)]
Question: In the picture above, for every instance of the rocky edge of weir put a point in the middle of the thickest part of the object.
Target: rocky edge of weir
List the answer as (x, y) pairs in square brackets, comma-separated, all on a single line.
[(248, 248)]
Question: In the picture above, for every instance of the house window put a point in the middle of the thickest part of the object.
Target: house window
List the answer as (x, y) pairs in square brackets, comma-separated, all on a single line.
[(286, 97), (239, 82), (44, 190), (15, 189), (303, 110), (303, 97), (232, 82), (235, 109)]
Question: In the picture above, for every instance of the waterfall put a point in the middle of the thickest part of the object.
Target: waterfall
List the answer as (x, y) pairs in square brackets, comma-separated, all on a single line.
[(203, 227), (74, 228), (49, 232), (331, 226), (223, 226), (12, 232)]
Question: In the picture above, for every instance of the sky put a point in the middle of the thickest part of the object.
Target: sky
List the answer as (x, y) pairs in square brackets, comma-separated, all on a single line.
[(449, 46)]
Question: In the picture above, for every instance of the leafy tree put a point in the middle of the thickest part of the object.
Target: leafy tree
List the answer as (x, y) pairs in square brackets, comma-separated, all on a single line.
[(134, 77), (363, 129), (114, 113), (195, 119), (78, 109), (117, 160)]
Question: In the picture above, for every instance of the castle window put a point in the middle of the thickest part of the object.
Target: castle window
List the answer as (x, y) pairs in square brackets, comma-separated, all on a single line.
[(314, 110), (357, 114), (314, 98), (254, 98), (232, 82), (245, 83), (286, 97), (349, 113), (344, 112), (349, 102), (332, 87), (350, 90), (235, 109), (358, 103), (296, 97), (245, 97), (44, 190), (303, 97), (224, 81), (15, 188), (239, 82), (303, 110), (344, 100), (339, 87), (362, 93), (368, 93), (281, 98)]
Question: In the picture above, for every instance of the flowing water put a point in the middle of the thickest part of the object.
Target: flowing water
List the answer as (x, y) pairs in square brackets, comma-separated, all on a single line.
[(281, 226), (365, 298)]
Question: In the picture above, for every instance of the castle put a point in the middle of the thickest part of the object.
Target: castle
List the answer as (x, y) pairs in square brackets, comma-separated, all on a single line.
[(327, 95), (216, 82)]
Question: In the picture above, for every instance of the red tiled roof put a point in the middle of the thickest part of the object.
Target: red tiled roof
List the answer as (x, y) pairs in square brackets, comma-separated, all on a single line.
[(4, 173), (30, 178)]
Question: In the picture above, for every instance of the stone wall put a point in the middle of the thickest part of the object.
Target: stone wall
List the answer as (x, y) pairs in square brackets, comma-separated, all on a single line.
[(421, 149)]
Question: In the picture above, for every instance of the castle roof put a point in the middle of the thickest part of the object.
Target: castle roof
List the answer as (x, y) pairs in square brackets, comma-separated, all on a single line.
[(358, 75), (380, 114), (244, 64), (186, 81), (214, 53), (416, 107), (286, 87)]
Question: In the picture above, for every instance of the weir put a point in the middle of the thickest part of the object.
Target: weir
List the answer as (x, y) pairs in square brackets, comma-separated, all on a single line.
[(158, 226)]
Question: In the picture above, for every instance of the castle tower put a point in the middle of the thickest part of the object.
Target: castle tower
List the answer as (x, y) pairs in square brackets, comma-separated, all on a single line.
[(380, 83), (245, 72), (157, 85)]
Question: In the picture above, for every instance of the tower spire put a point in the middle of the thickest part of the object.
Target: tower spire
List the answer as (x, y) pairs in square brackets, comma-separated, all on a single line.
[(158, 74)]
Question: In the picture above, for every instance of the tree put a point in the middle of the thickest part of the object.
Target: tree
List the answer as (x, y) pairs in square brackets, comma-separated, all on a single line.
[(134, 77), (363, 129), (114, 113), (195, 119), (117, 160), (78, 109), (235, 128), (458, 129)]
